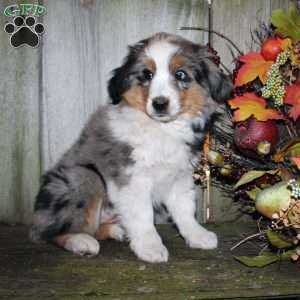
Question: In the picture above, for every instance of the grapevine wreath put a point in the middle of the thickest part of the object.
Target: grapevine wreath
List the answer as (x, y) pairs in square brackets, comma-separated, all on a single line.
[(256, 149)]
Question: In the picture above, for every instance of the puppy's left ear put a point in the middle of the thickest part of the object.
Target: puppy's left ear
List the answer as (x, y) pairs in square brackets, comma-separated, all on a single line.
[(214, 80)]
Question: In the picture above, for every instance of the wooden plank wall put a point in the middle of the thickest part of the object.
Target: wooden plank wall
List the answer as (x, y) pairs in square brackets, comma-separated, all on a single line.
[(48, 93), (19, 127)]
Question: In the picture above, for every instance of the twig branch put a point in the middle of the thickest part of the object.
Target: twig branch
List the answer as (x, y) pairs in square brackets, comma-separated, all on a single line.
[(263, 248), (258, 223), (247, 239), (289, 130), (226, 69), (216, 33)]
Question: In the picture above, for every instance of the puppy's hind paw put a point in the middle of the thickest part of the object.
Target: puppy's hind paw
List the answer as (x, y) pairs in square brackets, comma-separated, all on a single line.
[(82, 244)]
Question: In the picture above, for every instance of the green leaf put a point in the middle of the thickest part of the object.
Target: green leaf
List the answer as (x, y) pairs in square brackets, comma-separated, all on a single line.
[(287, 254), (258, 261), (287, 24), (248, 209), (252, 194), (251, 176), (278, 240)]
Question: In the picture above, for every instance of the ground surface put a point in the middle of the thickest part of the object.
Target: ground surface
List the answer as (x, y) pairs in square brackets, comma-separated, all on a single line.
[(33, 272)]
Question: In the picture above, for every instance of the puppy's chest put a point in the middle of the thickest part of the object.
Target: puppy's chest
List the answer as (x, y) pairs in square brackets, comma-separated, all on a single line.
[(159, 151), (153, 145)]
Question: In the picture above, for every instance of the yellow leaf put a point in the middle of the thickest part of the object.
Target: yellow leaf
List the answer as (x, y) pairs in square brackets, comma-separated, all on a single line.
[(253, 175), (249, 105)]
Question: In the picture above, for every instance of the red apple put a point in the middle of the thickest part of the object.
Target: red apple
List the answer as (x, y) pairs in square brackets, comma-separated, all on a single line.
[(248, 135), (271, 48)]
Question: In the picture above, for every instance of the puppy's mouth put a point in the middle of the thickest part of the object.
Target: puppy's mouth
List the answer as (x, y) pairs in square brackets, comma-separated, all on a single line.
[(162, 117)]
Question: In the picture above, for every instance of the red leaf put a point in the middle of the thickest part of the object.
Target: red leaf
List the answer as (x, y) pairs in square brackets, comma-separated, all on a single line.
[(254, 66), (250, 105), (292, 97)]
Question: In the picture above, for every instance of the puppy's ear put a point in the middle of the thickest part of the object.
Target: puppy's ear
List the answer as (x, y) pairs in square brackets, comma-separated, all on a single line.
[(214, 80), (121, 77), (119, 83)]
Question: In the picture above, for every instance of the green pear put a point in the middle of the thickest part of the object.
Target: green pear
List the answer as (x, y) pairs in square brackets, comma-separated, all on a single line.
[(273, 199)]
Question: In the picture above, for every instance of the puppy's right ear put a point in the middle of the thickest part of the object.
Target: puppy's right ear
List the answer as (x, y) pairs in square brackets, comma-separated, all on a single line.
[(121, 80), (119, 83)]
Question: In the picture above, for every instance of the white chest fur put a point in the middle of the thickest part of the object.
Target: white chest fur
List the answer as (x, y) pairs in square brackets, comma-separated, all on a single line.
[(155, 144)]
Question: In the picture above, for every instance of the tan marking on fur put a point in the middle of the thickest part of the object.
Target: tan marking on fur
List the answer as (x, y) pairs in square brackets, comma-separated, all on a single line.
[(104, 231), (177, 62), (192, 100), (92, 215), (136, 97), (150, 63), (91, 221)]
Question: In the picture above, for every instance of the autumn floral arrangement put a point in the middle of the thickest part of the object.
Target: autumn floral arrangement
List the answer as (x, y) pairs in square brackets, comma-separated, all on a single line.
[(256, 152)]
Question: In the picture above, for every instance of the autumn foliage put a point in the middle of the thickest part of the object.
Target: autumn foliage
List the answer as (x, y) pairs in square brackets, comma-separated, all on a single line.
[(249, 105), (254, 65), (292, 98)]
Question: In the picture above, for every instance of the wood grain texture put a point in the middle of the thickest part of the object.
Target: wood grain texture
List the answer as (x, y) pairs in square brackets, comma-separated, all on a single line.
[(19, 127), (35, 272), (84, 41)]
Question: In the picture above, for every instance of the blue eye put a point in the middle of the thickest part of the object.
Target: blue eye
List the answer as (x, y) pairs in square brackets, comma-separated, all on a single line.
[(181, 75)]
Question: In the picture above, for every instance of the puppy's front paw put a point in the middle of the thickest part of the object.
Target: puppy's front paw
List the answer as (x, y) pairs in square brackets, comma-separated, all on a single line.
[(150, 249), (82, 244), (203, 240)]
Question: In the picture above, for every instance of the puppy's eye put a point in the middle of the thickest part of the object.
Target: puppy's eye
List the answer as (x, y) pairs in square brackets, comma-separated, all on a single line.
[(181, 75), (147, 74)]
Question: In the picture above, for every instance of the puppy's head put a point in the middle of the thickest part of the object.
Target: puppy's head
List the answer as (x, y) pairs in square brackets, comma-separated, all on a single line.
[(166, 76)]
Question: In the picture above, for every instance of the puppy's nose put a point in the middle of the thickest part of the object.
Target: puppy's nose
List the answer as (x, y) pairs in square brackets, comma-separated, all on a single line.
[(160, 104)]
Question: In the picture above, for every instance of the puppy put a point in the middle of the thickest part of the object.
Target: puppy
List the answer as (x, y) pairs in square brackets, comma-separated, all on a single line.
[(134, 155)]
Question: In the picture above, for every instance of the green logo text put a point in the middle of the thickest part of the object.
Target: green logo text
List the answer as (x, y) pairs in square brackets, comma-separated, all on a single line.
[(24, 9)]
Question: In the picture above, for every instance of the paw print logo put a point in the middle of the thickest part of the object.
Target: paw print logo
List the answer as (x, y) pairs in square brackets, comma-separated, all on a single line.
[(24, 31)]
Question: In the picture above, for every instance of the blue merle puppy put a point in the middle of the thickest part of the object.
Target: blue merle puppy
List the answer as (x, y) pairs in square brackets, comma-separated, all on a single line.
[(134, 155)]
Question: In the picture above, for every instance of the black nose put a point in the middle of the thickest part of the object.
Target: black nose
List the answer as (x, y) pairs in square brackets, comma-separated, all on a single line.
[(160, 104)]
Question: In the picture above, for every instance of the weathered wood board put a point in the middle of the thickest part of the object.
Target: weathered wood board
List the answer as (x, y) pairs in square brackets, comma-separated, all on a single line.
[(35, 272), (19, 127)]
